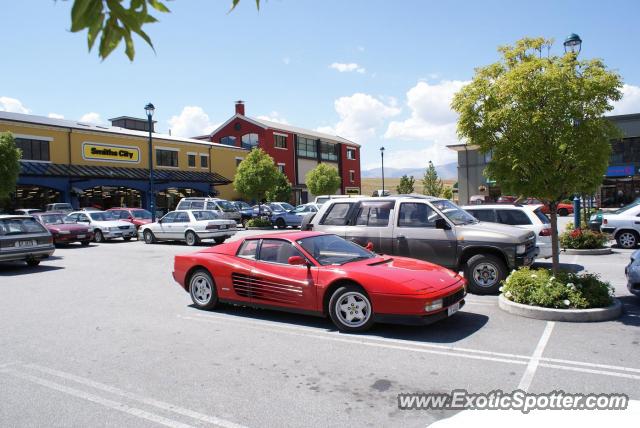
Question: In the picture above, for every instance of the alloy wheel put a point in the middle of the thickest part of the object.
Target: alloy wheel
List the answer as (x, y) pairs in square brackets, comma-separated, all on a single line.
[(353, 309), (627, 240), (201, 289)]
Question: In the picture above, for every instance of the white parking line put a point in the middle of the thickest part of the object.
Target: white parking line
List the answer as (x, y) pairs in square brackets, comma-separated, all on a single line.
[(146, 400), (98, 400), (529, 373)]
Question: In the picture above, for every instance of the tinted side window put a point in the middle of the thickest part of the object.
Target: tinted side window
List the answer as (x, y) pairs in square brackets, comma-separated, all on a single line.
[(212, 206), (337, 215), (513, 217), (277, 251), (183, 205), (483, 215), (248, 249), (181, 218), (197, 205), (374, 214), (413, 214), (542, 216), (169, 218)]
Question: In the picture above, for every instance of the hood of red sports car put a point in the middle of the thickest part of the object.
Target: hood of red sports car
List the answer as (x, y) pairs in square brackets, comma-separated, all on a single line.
[(400, 275)]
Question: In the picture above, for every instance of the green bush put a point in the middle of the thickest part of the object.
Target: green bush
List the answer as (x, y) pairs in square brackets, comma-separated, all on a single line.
[(564, 291), (582, 239), (259, 222)]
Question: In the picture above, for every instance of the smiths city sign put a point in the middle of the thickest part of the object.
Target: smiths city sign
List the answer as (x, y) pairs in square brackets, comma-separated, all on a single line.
[(110, 153)]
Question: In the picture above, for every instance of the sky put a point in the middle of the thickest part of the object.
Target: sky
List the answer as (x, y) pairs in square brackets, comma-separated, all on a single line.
[(379, 72)]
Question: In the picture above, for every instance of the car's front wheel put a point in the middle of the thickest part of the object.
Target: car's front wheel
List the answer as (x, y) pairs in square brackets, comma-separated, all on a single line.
[(203, 290), (33, 262), (280, 223), (191, 238), (85, 243), (148, 236), (484, 272), (627, 239), (350, 309), (99, 236), (127, 238)]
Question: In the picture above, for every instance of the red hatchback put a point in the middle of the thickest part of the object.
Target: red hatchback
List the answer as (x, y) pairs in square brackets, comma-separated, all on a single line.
[(64, 233), (137, 216), (563, 209), (323, 275)]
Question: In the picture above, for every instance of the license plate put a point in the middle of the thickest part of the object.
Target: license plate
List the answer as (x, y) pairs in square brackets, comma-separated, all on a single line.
[(30, 243), (224, 226), (81, 236), (453, 309)]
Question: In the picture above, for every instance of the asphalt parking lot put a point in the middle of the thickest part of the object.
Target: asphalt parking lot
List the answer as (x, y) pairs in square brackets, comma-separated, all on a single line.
[(103, 336)]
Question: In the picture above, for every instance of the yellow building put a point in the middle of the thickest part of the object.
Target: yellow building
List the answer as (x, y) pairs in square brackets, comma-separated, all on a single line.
[(106, 166)]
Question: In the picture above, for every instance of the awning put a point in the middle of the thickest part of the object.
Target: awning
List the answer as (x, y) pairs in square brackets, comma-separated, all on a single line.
[(88, 172)]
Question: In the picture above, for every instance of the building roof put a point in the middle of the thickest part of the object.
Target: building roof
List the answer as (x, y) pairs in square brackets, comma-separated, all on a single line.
[(74, 124), (139, 119), (283, 127), (41, 169)]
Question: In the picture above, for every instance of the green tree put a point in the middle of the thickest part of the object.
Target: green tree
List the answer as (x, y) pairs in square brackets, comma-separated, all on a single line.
[(323, 180), (541, 118), (282, 190), (256, 175), (432, 185), (447, 193), (115, 20), (406, 185), (9, 165)]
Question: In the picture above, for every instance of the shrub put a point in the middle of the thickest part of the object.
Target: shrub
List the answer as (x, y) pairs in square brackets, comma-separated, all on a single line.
[(564, 291), (259, 222), (582, 239)]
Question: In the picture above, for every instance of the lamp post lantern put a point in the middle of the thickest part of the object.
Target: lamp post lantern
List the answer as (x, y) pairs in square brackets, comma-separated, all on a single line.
[(573, 43), (382, 157), (150, 109)]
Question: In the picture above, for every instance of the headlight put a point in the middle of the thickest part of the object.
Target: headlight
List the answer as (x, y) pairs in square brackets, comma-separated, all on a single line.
[(521, 249), (433, 305), (64, 232)]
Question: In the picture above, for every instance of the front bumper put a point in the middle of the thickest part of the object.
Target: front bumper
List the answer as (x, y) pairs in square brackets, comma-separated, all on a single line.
[(527, 258), (59, 239), (416, 319), (121, 233)]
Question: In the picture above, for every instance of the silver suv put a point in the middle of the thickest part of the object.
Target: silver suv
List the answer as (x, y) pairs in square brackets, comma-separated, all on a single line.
[(431, 229), (222, 207)]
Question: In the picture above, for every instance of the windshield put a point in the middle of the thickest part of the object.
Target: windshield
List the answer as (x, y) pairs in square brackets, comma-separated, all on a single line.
[(226, 206), (333, 250), (141, 214), (52, 219), (454, 213), (626, 207), (321, 200), (287, 207), (241, 205), (204, 215), (101, 216)]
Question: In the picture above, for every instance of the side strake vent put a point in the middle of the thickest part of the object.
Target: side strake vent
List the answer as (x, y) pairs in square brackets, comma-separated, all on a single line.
[(264, 290)]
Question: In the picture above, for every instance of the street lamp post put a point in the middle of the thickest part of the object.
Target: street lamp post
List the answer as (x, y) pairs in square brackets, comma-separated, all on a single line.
[(573, 44), (382, 157), (150, 109)]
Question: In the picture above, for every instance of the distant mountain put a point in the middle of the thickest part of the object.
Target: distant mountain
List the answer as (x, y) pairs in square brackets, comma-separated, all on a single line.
[(447, 171)]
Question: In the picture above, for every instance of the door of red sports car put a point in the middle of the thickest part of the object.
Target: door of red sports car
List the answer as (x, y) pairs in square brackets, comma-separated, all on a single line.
[(276, 282)]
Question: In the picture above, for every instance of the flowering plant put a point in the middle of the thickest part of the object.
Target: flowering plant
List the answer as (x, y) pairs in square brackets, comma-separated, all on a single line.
[(582, 239)]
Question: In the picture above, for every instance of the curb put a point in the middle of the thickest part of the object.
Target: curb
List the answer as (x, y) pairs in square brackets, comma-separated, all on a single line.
[(590, 252), (259, 228), (569, 315)]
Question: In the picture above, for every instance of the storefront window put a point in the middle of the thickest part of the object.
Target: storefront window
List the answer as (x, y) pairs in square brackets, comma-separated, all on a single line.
[(31, 149)]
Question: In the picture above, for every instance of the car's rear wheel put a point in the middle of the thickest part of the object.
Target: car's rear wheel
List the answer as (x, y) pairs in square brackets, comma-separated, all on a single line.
[(203, 290), (563, 212), (220, 240), (627, 239), (280, 224), (149, 237), (484, 272), (33, 262), (127, 238), (99, 236), (191, 238), (350, 309)]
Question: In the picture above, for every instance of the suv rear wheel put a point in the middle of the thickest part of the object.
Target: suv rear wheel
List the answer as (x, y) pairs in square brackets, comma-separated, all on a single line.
[(484, 272)]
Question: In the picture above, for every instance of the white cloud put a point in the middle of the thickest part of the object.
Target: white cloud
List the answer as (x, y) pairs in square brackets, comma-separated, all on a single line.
[(415, 158), (360, 116), (55, 116), (92, 117), (13, 105), (347, 68), (274, 116), (191, 122), (630, 102)]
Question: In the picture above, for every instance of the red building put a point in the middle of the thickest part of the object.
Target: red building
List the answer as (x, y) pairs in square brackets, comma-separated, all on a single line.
[(295, 150)]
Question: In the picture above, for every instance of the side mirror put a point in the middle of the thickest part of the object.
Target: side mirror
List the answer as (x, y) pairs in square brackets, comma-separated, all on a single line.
[(442, 224), (369, 246), (159, 220), (297, 260)]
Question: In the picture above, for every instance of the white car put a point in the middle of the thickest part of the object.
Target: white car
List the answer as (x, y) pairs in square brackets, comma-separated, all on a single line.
[(191, 226), (528, 217), (623, 225), (105, 226)]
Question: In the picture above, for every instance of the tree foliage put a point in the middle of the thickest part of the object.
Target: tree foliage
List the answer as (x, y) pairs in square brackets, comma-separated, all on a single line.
[(541, 118), (256, 175), (323, 180), (432, 185), (9, 165), (115, 20), (281, 192), (447, 193), (406, 185)]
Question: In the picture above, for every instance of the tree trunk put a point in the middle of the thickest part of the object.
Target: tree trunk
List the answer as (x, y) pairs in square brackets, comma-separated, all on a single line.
[(555, 250)]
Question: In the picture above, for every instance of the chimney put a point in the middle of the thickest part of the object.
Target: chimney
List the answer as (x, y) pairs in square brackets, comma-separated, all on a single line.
[(240, 107)]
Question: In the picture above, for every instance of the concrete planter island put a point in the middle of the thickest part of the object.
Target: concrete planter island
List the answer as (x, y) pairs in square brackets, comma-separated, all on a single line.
[(590, 252), (569, 315)]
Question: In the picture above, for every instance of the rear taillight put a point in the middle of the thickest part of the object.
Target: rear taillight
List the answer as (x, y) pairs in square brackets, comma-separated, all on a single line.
[(545, 232), (212, 226), (604, 221), (49, 239)]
